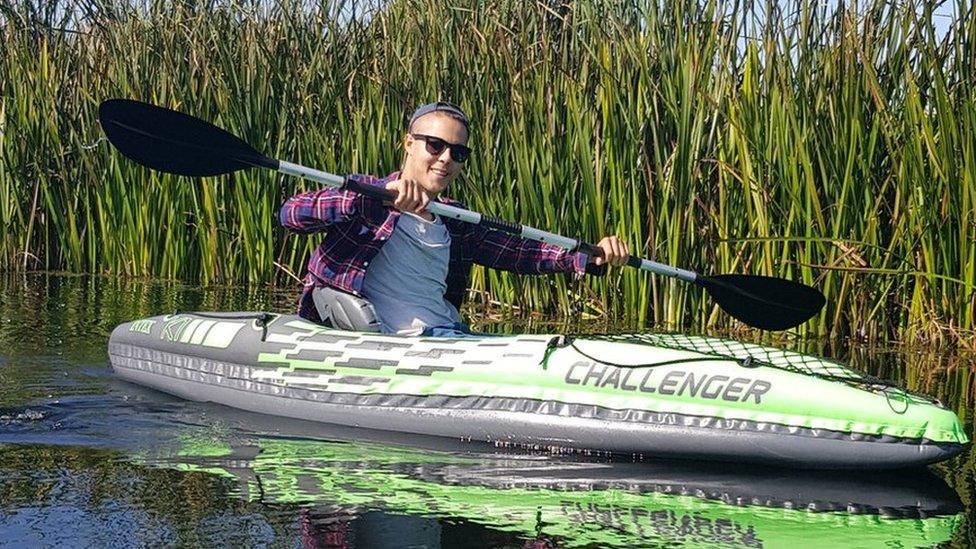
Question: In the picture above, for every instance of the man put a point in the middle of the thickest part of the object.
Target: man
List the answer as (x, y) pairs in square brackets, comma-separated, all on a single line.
[(410, 264)]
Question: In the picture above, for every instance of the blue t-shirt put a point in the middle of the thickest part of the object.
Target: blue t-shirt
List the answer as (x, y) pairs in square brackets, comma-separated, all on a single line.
[(407, 279)]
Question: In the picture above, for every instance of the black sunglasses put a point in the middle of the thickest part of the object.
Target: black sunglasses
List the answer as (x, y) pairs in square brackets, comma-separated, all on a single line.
[(436, 145)]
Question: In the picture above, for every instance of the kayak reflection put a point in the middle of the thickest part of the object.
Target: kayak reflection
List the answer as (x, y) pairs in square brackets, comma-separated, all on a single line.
[(374, 489)]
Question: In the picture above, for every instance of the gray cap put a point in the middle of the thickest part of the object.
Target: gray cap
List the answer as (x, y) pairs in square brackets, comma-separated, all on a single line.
[(450, 109)]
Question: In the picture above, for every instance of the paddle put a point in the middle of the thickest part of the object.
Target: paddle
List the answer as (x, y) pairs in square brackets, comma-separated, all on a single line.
[(180, 144)]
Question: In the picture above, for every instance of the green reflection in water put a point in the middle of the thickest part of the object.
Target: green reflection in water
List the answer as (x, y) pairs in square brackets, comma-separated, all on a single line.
[(544, 498)]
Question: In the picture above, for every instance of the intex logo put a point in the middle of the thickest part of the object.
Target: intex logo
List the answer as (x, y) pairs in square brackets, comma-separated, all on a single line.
[(142, 326), (199, 331), (674, 382)]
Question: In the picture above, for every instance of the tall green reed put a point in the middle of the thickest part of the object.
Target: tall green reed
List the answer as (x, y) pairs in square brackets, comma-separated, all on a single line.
[(834, 146)]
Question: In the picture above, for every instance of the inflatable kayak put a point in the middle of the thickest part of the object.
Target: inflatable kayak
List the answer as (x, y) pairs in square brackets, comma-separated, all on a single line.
[(654, 395)]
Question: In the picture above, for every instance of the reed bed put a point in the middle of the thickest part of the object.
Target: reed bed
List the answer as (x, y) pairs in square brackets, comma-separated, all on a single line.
[(835, 146)]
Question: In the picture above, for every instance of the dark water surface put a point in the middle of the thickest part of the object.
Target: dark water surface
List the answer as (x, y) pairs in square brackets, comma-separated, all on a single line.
[(87, 460)]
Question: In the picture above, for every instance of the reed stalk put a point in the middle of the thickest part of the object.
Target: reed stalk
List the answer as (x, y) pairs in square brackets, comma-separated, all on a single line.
[(836, 146)]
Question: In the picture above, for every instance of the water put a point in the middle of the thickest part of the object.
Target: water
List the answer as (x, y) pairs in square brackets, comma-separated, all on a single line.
[(88, 460)]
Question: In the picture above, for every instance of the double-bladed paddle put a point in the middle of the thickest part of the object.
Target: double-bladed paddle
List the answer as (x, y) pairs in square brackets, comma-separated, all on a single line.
[(177, 143)]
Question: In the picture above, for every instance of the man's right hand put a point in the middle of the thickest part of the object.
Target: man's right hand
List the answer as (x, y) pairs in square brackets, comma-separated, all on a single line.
[(411, 197)]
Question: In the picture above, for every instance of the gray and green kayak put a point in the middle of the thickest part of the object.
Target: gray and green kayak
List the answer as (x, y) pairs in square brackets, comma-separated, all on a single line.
[(654, 395)]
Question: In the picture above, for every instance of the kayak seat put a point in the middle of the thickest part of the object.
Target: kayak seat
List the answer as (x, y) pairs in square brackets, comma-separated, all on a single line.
[(345, 311)]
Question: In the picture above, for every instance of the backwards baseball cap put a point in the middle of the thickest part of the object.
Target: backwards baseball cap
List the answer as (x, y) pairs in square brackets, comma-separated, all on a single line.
[(449, 109)]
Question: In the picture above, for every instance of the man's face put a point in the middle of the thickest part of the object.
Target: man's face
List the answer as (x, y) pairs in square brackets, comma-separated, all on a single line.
[(434, 171)]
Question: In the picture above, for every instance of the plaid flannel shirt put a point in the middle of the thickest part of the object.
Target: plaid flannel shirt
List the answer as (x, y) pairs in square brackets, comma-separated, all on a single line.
[(357, 227)]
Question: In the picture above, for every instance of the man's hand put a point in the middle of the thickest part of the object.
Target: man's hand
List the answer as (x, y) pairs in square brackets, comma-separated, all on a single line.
[(615, 252), (411, 197)]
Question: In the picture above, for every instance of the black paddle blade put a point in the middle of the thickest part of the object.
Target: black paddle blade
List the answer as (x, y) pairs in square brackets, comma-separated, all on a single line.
[(173, 142), (764, 302)]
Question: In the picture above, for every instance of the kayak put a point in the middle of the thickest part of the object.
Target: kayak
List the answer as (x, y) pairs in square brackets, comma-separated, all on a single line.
[(650, 395)]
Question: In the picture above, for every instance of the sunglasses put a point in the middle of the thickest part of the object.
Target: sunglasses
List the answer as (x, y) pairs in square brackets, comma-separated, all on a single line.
[(436, 145)]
